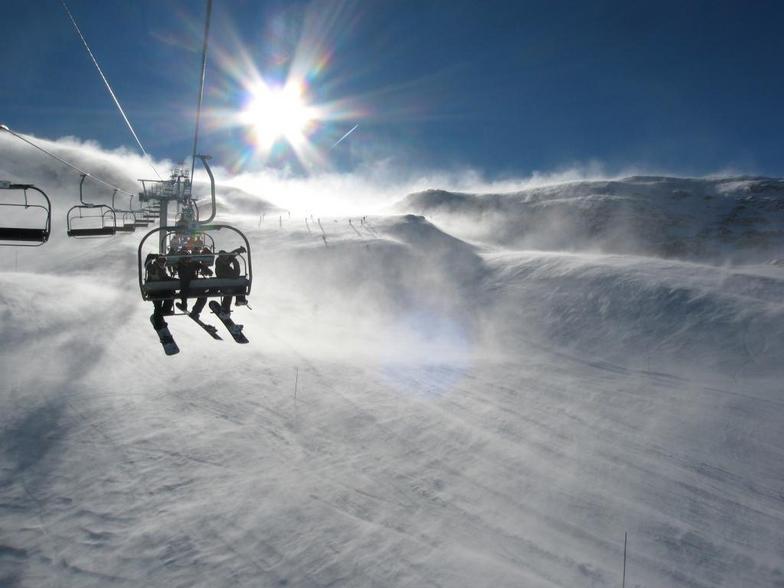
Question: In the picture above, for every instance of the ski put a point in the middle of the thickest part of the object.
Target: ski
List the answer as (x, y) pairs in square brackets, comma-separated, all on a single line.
[(212, 330), (169, 345), (234, 329)]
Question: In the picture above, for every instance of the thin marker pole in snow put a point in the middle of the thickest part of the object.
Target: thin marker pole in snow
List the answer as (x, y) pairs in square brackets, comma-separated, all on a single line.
[(296, 383), (623, 585), (323, 233)]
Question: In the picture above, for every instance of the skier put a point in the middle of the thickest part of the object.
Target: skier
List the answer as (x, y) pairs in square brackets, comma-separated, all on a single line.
[(186, 270), (189, 269), (172, 255), (202, 267), (156, 271), (206, 259), (227, 266)]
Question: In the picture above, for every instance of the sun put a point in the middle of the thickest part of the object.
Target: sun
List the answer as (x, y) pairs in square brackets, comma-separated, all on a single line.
[(276, 113)]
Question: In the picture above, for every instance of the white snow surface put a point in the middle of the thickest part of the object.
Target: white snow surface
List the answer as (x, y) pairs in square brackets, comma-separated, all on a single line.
[(728, 219), (418, 406)]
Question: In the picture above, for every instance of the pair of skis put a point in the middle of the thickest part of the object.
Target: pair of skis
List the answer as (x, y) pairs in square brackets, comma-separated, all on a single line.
[(170, 345)]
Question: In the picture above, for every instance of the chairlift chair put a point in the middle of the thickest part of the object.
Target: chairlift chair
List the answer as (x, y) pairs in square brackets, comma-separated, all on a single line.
[(90, 220), (139, 219), (178, 239), (128, 222), (100, 218), (212, 287), (27, 236), (152, 213)]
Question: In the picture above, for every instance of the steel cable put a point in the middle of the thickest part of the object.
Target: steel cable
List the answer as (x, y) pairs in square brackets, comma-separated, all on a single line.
[(108, 86)]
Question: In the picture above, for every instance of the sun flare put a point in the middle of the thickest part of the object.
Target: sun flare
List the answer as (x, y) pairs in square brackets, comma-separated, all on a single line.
[(276, 113)]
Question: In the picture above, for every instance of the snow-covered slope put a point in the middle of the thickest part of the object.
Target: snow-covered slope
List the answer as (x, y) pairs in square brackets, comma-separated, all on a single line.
[(417, 407), (725, 219)]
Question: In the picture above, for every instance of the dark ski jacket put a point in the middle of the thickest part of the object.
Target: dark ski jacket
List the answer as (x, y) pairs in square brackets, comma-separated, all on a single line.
[(227, 266), (186, 269), (156, 272)]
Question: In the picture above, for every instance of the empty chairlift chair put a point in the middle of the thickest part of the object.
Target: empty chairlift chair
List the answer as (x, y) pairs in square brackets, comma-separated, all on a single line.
[(139, 219), (91, 220), (127, 219), (31, 222), (127, 222), (152, 214)]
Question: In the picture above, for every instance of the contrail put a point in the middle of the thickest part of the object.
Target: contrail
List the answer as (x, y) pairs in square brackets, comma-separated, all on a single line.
[(354, 128)]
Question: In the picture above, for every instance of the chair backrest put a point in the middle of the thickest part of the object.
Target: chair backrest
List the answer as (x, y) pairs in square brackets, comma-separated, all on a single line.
[(22, 215), (91, 220)]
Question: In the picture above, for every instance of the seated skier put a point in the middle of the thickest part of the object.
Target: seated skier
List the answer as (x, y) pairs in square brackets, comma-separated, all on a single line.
[(156, 271), (206, 258), (171, 264), (227, 266), (188, 269), (202, 265)]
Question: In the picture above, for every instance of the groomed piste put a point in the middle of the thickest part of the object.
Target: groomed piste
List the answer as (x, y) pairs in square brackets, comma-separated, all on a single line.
[(466, 390)]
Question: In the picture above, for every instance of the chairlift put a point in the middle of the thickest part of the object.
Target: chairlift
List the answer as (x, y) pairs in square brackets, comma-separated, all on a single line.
[(90, 220), (38, 214), (200, 239), (141, 221), (152, 213), (127, 222), (185, 218), (191, 239), (139, 218)]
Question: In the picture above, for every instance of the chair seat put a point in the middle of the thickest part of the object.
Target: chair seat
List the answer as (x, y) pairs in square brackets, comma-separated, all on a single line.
[(102, 232), (161, 289), (29, 235)]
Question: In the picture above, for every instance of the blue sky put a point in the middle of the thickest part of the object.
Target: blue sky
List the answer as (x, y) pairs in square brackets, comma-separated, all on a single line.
[(505, 88)]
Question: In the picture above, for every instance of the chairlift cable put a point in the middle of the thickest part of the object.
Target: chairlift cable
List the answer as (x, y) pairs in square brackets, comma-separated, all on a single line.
[(63, 161), (108, 86), (201, 85)]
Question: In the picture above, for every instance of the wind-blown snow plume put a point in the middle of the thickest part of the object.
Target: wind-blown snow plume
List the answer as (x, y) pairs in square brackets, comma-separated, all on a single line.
[(701, 219), (422, 402)]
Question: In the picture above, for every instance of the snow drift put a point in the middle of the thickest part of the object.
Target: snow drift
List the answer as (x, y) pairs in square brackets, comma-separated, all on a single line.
[(723, 219), (423, 402)]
